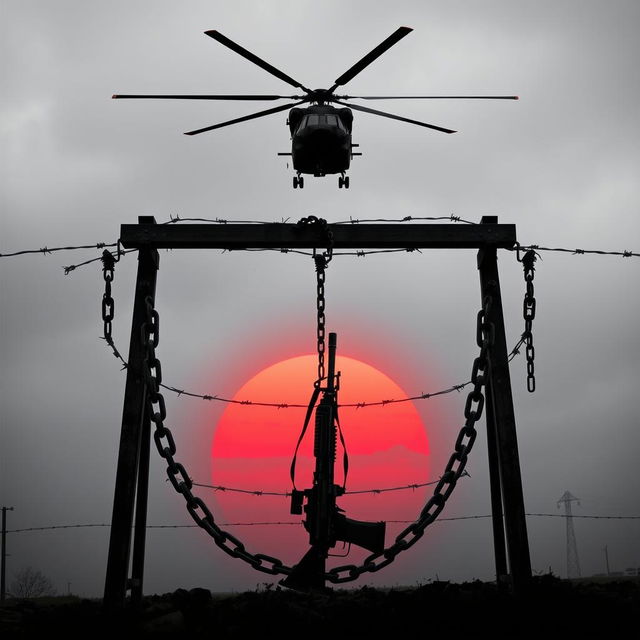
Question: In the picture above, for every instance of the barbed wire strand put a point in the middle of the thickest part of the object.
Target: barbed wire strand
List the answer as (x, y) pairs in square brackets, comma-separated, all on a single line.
[(288, 493), (289, 405), (451, 218), (178, 219), (73, 267), (299, 523), (351, 220), (361, 253), (535, 247), (47, 250)]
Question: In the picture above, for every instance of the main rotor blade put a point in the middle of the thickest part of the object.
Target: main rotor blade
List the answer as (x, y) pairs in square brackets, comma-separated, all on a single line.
[(216, 35), (206, 97), (397, 35), (430, 97), (251, 116), (358, 107)]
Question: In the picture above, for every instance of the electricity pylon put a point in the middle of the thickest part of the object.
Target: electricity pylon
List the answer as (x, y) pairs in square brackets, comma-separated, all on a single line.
[(573, 562)]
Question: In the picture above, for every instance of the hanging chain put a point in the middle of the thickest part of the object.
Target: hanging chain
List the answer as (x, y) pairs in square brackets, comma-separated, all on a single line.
[(108, 304), (529, 313), (176, 472), (321, 260), (202, 515), (320, 305), (453, 471)]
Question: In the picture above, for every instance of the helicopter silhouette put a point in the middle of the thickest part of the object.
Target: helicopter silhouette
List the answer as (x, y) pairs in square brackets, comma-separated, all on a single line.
[(321, 134)]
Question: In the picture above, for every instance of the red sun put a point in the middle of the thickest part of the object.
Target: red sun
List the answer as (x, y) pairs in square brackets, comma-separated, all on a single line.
[(253, 446)]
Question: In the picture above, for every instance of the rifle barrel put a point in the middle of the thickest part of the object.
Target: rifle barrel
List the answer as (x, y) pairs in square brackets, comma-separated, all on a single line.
[(331, 370)]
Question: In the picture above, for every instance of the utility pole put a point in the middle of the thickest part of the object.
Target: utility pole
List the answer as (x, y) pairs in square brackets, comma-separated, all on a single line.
[(606, 558), (573, 562), (3, 553)]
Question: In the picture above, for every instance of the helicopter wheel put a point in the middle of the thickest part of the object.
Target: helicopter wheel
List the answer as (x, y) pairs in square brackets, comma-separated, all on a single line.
[(340, 182), (301, 182), (346, 182), (295, 182)]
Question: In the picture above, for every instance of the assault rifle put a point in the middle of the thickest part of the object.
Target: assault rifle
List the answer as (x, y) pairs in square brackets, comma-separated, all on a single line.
[(325, 521)]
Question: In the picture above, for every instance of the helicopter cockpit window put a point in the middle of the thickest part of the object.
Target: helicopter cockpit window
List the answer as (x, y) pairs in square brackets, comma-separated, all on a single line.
[(332, 120), (313, 120)]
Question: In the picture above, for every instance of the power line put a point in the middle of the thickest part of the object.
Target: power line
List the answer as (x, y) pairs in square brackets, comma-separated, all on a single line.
[(298, 523)]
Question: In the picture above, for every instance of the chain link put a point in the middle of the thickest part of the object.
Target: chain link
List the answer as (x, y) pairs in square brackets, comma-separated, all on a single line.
[(108, 305), (231, 545), (529, 313), (321, 260), (453, 470), (176, 472), (320, 305)]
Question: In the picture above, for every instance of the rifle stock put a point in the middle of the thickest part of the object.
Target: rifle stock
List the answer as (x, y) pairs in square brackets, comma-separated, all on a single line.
[(368, 535)]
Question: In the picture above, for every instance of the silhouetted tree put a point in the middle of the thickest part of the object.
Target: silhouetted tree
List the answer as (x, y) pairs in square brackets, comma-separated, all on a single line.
[(31, 583)]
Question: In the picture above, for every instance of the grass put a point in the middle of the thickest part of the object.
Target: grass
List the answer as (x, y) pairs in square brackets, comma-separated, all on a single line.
[(552, 608)]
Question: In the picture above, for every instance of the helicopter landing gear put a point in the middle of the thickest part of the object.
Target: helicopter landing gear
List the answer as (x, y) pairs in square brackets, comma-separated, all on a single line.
[(298, 181), (343, 181)]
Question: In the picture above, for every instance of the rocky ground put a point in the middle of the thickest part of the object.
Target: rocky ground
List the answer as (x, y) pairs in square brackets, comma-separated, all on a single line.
[(552, 608)]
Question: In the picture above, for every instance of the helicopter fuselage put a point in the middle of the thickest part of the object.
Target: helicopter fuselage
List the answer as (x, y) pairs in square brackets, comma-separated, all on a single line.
[(320, 132), (321, 139)]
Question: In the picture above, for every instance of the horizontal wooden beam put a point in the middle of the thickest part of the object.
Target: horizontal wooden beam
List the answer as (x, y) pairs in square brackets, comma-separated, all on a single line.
[(294, 236)]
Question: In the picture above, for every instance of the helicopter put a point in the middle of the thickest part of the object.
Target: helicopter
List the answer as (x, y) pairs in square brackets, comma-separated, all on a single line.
[(321, 133)]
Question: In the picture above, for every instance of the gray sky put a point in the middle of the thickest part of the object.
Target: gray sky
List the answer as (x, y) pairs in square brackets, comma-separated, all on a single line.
[(561, 164)]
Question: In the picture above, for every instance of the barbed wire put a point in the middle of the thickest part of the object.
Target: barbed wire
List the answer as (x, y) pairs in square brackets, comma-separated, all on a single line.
[(357, 405), (536, 247), (151, 526), (289, 405), (259, 492), (351, 221), (299, 523), (177, 219), (116, 254), (360, 253), (451, 218), (47, 250)]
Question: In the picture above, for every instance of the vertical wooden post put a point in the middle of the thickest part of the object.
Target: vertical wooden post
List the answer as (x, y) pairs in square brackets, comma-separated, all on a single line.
[(499, 548), (140, 530), (499, 389), (133, 417)]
